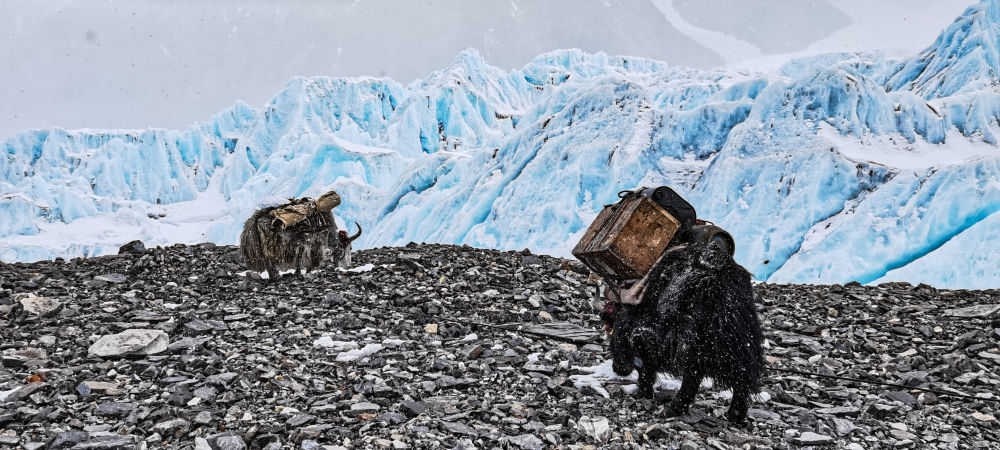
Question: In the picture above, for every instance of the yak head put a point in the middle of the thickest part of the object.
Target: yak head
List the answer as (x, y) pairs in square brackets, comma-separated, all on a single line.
[(345, 239)]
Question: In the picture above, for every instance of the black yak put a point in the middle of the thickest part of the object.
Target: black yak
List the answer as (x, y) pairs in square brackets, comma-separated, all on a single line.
[(295, 235), (696, 319)]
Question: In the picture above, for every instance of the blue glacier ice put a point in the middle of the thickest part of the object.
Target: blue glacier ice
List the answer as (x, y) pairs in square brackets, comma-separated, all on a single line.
[(833, 168)]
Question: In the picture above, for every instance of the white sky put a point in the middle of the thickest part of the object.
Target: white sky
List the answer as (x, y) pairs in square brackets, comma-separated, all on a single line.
[(147, 63)]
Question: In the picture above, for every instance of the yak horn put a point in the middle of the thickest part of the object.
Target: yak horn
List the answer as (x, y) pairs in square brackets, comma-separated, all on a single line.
[(352, 238)]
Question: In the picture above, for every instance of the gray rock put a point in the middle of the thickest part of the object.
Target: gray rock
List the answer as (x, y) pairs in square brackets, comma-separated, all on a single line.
[(524, 441), (40, 306), (111, 278), (67, 439), (459, 428), (135, 247), (299, 420), (112, 442), (901, 396), (902, 435), (130, 342), (187, 344), (472, 351), (839, 411), (882, 411), (114, 409), (658, 431), (392, 418), (47, 340), (10, 437), (761, 414), (221, 380), (843, 427), (363, 408), (949, 438), (205, 326), (975, 311), (201, 443), (17, 357), (228, 443), (413, 409), (206, 393), (168, 427), (528, 260), (810, 438), (98, 387), (10, 395), (597, 428)]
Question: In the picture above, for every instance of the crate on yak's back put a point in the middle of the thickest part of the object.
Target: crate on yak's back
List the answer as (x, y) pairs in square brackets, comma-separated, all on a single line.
[(626, 238)]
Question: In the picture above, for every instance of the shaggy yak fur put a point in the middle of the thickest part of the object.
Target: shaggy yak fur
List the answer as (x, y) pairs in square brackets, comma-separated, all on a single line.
[(268, 246), (696, 319)]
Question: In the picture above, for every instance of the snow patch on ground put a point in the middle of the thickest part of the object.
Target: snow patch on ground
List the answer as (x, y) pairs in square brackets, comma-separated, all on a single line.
[(595, 377), (338, 346), (354, 355), (349, 351), (359, 269), (265, 276)]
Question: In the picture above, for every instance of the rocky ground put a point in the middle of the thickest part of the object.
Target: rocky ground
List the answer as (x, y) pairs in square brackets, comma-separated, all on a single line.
[(433, 348)]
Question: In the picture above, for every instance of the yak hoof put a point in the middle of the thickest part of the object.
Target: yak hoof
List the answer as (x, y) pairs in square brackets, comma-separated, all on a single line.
[(674, 409), (736, 416), (644, 393)]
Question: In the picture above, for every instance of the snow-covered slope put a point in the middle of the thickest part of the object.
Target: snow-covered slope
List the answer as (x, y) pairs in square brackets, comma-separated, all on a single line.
[(837, 167)]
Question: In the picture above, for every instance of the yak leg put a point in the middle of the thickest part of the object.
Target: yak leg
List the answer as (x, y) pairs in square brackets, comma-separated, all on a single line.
[(737, 412), (273, 274), (647, 378), (685, 396)]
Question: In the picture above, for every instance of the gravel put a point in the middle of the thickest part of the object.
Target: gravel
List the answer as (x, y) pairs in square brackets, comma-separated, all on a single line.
[(434, 346)]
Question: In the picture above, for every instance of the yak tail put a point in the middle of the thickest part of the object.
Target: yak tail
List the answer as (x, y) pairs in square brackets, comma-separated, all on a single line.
[(251, 246), (356, 235)]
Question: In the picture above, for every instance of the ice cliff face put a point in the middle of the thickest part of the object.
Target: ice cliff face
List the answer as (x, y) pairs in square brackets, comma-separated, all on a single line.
[(838, 167)]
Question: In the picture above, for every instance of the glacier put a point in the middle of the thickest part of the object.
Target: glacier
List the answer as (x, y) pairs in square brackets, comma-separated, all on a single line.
[(832, 168)]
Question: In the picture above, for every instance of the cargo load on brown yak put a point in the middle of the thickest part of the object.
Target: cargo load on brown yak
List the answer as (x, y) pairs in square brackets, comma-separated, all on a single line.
[(677, 302)]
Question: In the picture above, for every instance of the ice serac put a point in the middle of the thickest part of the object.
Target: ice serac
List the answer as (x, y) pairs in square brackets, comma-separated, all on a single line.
[(965, 58), (836, 167)]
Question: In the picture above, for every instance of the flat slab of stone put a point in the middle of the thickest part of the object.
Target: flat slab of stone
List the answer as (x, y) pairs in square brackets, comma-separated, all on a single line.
[(810, 438), (975, 311), (39, 306), (564, 331), (130, 342), (98, 387), (597, 428), (111, 278)]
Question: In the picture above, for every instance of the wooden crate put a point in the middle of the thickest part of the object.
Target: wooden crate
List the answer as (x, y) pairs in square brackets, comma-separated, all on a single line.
[(626, 238)]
